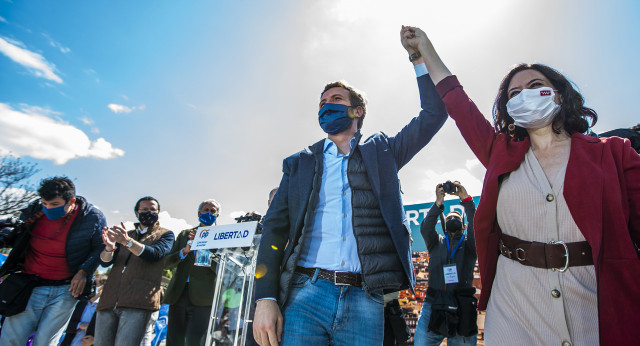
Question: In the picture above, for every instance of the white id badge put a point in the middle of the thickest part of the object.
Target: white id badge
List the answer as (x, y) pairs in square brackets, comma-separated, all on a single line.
[(450, 274)]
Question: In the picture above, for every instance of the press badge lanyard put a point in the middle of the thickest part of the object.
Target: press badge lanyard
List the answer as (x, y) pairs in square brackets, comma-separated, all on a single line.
[(446, 236), (449, 253), (449, 270)]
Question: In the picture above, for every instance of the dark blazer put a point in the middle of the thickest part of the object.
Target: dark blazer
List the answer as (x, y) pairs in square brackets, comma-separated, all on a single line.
[(294, 203), (602, 191), (202, 280)]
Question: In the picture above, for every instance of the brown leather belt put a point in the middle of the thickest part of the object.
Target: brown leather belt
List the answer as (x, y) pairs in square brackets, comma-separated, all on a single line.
[(557, 256), (338, 278)]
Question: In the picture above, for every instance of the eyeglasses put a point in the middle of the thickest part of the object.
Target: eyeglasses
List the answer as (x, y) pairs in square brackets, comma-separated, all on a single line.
[(144, 210)]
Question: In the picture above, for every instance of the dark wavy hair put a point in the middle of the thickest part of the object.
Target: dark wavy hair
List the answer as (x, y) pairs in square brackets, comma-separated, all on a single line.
[(146, 198), (572, 117), (53, 187), (355, 98)]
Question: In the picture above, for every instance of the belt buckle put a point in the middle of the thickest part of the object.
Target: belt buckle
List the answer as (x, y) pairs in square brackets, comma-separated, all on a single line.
[(566, 255), (335, 279)]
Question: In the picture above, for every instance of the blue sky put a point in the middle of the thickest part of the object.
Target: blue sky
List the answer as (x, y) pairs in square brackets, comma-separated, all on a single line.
[(203, 99)]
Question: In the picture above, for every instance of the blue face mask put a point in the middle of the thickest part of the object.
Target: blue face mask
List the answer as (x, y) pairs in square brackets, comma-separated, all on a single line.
[(207, 219), (54, 214), (334, 118)]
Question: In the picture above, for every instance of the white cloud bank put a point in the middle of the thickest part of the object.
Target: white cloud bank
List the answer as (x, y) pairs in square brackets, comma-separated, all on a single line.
[(35, 62), (116, 108), (31, 132), (166, 220)]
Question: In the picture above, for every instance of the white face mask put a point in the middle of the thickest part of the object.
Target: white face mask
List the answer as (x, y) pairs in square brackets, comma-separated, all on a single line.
[(533, 108)]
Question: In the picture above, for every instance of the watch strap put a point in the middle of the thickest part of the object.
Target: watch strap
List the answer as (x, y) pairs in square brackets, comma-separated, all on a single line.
[(414, 56)]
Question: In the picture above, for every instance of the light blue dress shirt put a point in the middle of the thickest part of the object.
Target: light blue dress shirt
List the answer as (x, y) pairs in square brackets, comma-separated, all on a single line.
[(330, 244)]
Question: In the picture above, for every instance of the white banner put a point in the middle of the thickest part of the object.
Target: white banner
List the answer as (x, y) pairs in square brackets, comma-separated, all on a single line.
[(225, 236)]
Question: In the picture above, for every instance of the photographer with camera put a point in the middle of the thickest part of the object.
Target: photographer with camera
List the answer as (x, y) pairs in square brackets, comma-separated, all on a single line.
[(449, 309), (55, 252)]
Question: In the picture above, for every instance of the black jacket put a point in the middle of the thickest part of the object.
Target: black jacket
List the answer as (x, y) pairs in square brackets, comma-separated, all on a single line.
[(83, 245), (464, 258)]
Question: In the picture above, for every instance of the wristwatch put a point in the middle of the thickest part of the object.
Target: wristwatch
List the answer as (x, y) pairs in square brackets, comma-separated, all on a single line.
[(129, 244), (414, 56)]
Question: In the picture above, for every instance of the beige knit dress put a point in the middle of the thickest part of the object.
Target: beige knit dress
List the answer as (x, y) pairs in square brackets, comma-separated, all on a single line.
[(522, 309)]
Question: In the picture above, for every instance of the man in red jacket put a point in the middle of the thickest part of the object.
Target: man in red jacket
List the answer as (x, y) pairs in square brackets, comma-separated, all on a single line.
[(60, 247)]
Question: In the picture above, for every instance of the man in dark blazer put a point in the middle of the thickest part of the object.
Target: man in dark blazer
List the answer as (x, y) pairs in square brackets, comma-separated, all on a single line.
[(190, 292), (335, 235)]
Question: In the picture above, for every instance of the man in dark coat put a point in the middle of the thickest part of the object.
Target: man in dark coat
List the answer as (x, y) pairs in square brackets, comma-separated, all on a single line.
[(335, 235)]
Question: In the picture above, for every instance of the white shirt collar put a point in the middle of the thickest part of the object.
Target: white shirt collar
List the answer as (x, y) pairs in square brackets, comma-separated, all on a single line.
[(142, 230)]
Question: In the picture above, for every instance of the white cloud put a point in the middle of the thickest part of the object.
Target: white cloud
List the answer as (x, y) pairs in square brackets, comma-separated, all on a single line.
[(86, 121), (174, 224), (3, 20), (31, 60), (116, 108), (57, 45), (30, 131), (89, 122), (237, 213)]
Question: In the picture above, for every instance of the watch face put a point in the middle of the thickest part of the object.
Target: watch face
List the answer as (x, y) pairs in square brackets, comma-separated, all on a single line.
[(130, 243)]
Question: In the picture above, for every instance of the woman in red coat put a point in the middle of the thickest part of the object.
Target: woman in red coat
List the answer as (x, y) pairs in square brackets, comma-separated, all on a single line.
[(558, 225)]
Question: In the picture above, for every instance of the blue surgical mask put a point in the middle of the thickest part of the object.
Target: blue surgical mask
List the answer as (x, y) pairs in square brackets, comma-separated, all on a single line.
[(207, 219), (54, 214), (334, 118)]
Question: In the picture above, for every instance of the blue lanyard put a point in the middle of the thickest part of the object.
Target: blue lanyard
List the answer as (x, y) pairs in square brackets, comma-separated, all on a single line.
[(449, 253)]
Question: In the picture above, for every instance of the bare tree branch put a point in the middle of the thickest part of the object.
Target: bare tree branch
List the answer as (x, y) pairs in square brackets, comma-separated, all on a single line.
[(15, 190)]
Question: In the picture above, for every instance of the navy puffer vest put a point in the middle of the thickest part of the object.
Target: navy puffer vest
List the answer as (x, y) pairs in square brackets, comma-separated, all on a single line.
[(381, 266)]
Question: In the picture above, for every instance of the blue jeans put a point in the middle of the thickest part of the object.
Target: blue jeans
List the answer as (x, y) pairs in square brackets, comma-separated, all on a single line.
[(425, 337), (121, 326), (47, 314), (318, 312)]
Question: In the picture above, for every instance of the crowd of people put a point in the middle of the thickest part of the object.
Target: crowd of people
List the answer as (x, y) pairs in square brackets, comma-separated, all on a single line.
[(556, 234)]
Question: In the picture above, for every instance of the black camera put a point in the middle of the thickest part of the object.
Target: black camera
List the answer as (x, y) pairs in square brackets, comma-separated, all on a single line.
[(449, 187), (251, 216), (248, 217), (9, 230)]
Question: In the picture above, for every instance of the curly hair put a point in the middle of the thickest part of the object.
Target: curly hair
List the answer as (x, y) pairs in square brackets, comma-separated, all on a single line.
[(355, 98), (572, 117), (53, 187)]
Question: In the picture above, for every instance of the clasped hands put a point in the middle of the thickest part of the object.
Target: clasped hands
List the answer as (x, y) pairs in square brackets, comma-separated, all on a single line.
[(113, 235)]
